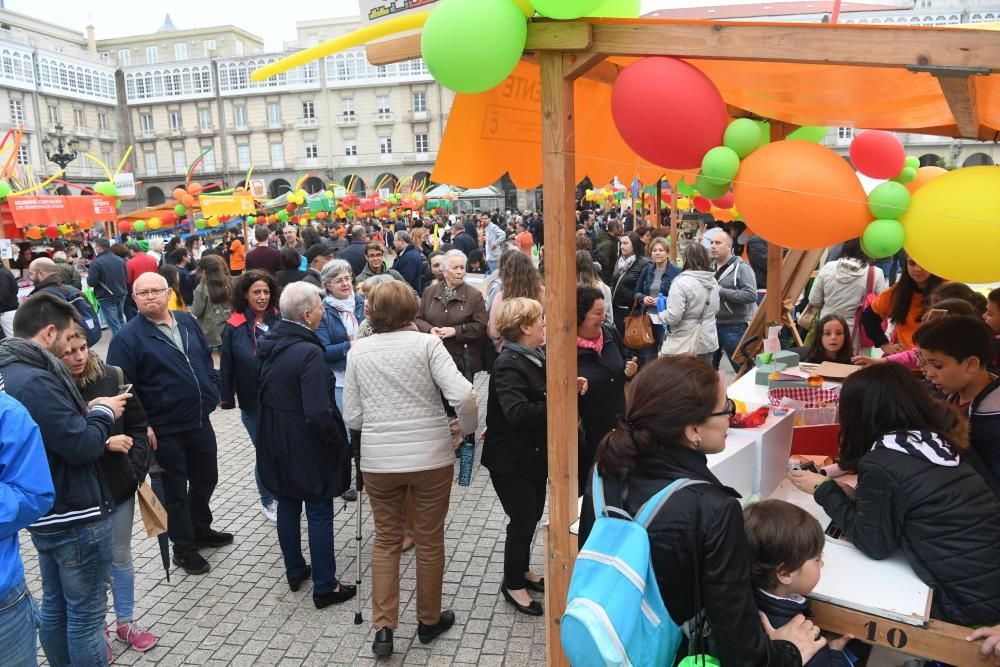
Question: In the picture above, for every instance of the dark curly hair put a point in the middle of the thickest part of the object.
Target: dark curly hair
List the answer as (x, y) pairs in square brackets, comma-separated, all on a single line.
[(240, 301)]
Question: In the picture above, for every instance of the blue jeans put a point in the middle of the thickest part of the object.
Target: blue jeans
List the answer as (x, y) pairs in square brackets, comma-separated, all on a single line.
[(75, 563), (729, 339), (122, 572), (319, 517), (249, 420), (492, 264), (113, 310), (18, 627)]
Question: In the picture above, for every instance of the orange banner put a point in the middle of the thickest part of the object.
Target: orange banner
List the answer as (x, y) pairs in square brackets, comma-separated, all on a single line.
[(43, 211)]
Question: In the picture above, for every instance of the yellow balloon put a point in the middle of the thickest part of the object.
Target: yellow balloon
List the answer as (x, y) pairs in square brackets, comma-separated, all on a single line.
[(683, 203), (525, 7), (953, 225)]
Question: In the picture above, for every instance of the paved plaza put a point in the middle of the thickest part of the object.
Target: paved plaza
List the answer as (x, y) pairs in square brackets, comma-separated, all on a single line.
[(242, 612)]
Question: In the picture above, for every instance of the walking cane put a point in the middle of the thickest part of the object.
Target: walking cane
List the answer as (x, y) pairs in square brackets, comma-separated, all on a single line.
[(360, 487)]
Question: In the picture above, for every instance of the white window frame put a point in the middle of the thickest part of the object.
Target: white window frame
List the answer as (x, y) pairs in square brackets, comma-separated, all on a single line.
[(180, 161), (417, 141), (383, 104), (152, 55), (16, 111), (277, 152), (208, 46), (385, 145), (422, 97), (204, 114), (350, 147), (23, 154), (54, 115), (102, 121), (181, 51), (240, 116), (347, 105), (179, 125), (308, 110), (146, 123), (312, 150), (149, 162), (80, 117), (243, 155), (124, 57), (274, 119)]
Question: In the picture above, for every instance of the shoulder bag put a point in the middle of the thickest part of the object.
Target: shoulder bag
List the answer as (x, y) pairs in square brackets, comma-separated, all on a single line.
[(638, 329), (686, 342)]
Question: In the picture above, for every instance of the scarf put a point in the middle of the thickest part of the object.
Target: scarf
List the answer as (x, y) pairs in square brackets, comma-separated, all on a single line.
[(597, 344), (535, 355), (923, 445), (19, 350), (345, 307), (624, 263)]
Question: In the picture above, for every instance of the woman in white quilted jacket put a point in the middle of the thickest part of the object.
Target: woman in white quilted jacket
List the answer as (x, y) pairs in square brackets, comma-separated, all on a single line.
[(392, 391)]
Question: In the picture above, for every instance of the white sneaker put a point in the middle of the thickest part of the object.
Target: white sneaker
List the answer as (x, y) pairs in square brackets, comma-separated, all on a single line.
[(270, 510)]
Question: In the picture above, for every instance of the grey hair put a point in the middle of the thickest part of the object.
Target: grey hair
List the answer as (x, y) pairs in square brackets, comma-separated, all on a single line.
[(404, 236), (297, 298), (333, 269), (452, 254), (156, 245)]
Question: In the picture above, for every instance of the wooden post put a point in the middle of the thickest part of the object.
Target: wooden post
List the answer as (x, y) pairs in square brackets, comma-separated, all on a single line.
[(558, 169), (675, 225), (659, 197), (774, 301)]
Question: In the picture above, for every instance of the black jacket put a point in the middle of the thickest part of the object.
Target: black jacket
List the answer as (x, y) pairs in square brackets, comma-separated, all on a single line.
[(8, 290), (984, 428), (516, 418), (946, 519), (623, 291), (122, 472), (757, 258), (780, 611), (108, 276), (302, 447), (699, 537), (604, 401), (464, 242), (238, 371), (354, 254)]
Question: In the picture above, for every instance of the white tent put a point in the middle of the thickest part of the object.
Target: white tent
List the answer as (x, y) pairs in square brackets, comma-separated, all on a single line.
[(481, 199), (440, 191)]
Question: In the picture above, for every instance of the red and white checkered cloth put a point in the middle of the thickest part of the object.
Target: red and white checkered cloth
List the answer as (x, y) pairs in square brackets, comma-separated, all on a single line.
[(813, 397)]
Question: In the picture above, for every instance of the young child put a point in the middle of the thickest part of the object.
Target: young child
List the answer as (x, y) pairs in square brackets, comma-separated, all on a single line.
[(786, 549), (956, 353), (832, 342)]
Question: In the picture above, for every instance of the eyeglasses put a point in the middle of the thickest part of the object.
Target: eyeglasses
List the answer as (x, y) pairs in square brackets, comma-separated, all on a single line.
[(148, 293), (728, 411)]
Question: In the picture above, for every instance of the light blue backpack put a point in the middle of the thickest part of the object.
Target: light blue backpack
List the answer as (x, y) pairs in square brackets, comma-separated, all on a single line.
[(615, 615)]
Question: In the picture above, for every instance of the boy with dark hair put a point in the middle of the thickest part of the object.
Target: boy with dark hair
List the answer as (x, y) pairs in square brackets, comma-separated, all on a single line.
[(956, 353), (786, 549)]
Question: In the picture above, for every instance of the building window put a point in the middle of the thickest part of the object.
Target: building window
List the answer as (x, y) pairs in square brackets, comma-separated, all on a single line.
[(274, 114), (350, 147), (385, 145), (124, 58), (208, 164), (308, 110), (420, 101), (102, 121), (53, 114), (23, 154), (240, 116), (347, 104), (146, 123), (209, 46), (243, 156), (16, 112), (420, 143), (175, 121), (152, 55), (80, 117), (205, 119), (277, 155), (845, 132), (106, 156), (382, 102), (239, 46), (180, 163), (181, 51), (150, 162), (312, 150)]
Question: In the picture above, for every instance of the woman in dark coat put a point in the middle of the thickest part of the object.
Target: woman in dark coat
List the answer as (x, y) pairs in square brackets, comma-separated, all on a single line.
[(631, 262), (600, 358), (255, 311), (304, 453), (456, 313), (678, 413), (916, 490)]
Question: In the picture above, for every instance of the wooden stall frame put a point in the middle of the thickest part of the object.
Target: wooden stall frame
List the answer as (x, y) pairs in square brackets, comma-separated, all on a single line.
[(568, 50)]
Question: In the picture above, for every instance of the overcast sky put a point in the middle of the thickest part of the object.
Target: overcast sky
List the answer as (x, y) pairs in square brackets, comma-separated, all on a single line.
[(274, 22)]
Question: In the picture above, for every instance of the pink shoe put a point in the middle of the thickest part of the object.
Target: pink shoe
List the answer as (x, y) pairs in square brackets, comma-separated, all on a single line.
[(108, 646), (136, 636)]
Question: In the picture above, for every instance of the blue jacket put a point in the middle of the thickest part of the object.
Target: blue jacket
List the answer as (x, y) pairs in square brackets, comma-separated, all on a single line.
[(646, 278), (108, 276), (74, 444), (240, 340), (464, 242), (333, 335), (178, 390), (26, 491), (410, 264)]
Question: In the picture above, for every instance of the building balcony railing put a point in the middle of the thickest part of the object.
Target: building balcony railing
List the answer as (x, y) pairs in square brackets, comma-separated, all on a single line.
[(107, 135), (307, 123), (424, 156), (277, 127), (420, 116), (146, 135), (82, 131), (175, 132), (240, 129), (383, 118), (205, 131), (347, 119), (311, 163)]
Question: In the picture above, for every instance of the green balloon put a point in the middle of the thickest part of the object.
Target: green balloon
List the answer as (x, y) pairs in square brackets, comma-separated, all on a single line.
[(106, 188), (907, 175), (710, 189), (912, 162), (4, 190), (139, 226), (560, 9), (685, 188), (282, 215), (720, 165), (742, 136), (883, 238), (180, 210), (889, 200), (199, 223), (473, 45), (617, 9), (251, 220), (808, 133)]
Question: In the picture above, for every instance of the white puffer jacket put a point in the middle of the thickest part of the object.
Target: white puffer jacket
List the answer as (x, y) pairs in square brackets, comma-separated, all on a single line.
[(392, 394), (686, 303)]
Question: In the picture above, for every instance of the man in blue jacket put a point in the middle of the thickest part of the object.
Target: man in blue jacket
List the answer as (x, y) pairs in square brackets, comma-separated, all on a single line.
[(166, 356), (73, 538), (409, 261), (108, 278), (26, 493)]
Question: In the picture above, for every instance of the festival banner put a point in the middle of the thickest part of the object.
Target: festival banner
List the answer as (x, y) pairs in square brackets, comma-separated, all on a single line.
[(227, 205), (44, 211), (373, 11)]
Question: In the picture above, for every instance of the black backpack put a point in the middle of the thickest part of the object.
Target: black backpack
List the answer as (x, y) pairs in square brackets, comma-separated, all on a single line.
[(88, 318)]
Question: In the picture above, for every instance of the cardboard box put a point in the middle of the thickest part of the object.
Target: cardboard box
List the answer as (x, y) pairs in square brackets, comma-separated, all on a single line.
[(764, 370)]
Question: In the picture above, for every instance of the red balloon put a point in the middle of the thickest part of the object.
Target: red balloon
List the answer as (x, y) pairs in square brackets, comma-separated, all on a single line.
[(52, 231), (124, 226), (702, 205), (725, 201), (878, 154), (668, 112), (290, 207), (169, 219)]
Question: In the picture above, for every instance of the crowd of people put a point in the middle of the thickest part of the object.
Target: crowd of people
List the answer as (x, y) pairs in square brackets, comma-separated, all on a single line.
[(352, 351)]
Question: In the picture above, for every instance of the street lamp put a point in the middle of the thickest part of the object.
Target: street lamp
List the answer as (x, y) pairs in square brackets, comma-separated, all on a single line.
[(63, 154)]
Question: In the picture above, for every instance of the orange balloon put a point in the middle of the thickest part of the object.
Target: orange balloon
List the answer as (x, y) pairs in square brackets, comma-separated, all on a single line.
[(179, 193), (801, 195), (33, 233), (925, 175), (195, 188), (723, 214), (85, 225), (187, 200)]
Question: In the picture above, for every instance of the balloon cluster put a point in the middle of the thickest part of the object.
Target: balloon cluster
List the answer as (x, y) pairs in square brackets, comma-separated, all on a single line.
[(108, 189), (185, 198), (878, 154)]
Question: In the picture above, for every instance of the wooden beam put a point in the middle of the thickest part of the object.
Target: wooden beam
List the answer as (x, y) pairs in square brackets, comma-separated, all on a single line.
[(575, 66), (558, 170), (960, 91), (558, 36), (938, 641)]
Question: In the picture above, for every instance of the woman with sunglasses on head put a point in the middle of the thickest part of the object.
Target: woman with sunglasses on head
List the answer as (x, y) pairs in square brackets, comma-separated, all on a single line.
[(677, 414)]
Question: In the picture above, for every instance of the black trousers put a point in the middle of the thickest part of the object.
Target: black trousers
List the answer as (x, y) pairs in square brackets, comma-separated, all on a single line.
[(523, 501), (190, 472)]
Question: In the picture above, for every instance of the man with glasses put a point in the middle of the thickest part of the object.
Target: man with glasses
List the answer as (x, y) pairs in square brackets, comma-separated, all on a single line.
[(166, 356)]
